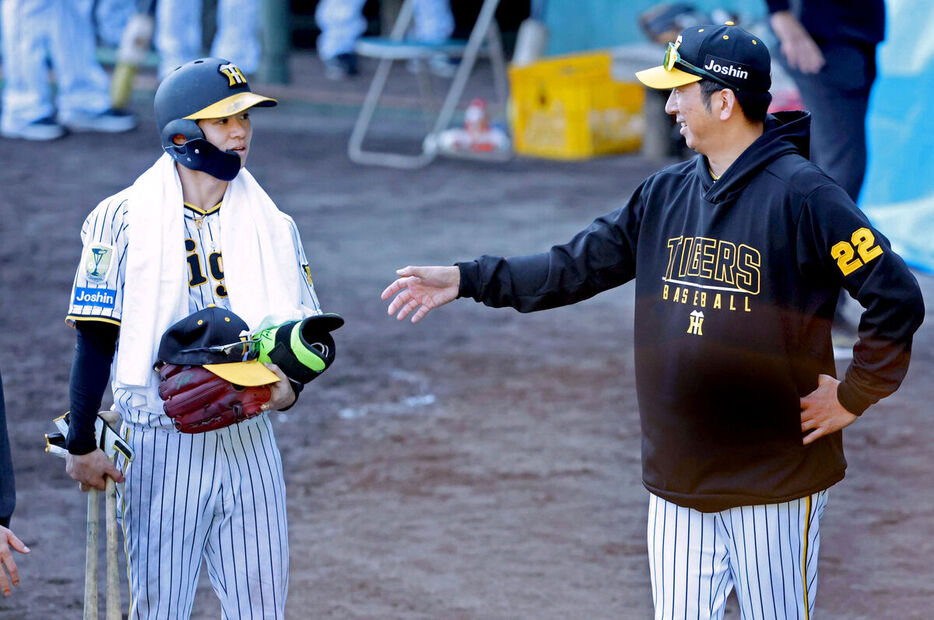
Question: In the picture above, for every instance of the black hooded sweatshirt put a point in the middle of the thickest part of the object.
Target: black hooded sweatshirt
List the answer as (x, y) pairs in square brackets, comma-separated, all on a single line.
[(736, 284)]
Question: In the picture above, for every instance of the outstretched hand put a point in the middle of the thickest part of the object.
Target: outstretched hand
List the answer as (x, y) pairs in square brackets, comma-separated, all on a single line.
[(7, 564), (799, 48), (821, 411), (422, 289)]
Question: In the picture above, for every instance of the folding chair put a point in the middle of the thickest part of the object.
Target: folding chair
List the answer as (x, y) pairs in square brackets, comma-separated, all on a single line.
[(485, 35)]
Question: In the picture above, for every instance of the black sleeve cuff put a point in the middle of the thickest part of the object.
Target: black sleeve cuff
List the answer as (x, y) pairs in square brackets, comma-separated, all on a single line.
[(470, 275), (78, 442), (851, 399)]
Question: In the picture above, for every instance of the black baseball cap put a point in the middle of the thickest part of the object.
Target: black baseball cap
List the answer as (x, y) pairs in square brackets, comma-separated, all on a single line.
[(726, 54), (212, 338)]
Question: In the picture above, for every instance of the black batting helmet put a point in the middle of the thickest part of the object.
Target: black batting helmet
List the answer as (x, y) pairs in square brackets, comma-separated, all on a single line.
[(201, 89)]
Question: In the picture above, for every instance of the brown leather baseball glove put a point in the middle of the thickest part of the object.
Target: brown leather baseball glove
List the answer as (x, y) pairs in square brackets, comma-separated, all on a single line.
[(197, 400)]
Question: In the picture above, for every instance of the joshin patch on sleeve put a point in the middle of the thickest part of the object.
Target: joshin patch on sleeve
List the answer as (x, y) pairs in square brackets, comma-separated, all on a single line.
[(95, 297)]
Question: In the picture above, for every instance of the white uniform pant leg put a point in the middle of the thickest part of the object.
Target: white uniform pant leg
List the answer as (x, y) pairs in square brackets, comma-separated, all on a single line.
[(341, 23), (768, 552), (433, 19), (237, 37), (178, 33), (83, 85), (111, 17), (25, 38), (773, 551), (247, 550), (688, 562), (166, 509)]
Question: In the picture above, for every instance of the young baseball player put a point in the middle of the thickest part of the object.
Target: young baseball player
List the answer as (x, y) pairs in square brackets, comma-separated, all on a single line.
[(738, 257), (195, 230)]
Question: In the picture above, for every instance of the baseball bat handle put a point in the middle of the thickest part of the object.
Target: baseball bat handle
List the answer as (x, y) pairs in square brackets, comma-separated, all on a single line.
[(90, 559), (135, 42), (121, 85), (113, 574)]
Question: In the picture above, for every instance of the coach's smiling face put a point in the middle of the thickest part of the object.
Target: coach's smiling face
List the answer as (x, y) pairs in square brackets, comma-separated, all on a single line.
[(230, 133), (696, 121)]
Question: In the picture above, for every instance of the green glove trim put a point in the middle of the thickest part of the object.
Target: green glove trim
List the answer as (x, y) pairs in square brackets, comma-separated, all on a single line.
[(303, 351), (266, 340)]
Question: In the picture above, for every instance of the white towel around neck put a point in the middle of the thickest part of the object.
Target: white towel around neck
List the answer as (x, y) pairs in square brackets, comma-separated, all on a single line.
[(261, 271)]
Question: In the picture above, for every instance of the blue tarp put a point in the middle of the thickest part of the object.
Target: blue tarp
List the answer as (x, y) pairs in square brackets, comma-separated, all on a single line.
[(898, 195), (576, 25)]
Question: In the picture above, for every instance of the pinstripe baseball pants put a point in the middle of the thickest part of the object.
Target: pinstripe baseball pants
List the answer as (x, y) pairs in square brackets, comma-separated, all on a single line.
[(58, 31), (341, 23), (219, 496), (768, 552), (179, 33)]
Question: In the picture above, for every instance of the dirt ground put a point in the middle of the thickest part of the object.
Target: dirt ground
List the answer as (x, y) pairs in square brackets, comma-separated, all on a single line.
[(480, 465)]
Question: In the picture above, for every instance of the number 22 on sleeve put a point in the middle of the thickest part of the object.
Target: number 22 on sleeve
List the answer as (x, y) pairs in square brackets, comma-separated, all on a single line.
[(863, 243)]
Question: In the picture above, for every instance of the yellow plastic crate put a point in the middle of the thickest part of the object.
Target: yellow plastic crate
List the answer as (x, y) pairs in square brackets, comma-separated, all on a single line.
[(569, 107)]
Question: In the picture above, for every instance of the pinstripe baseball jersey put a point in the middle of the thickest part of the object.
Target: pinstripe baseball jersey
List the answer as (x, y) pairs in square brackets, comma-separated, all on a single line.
[(97, 292)]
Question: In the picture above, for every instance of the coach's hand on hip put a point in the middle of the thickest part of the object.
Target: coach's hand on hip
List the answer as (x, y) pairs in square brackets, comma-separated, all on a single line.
[(424, 288), (821, 412), (89, 469)]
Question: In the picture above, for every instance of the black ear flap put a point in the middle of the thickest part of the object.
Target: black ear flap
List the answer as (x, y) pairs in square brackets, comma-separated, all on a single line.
[(186, 128), (195, 152)]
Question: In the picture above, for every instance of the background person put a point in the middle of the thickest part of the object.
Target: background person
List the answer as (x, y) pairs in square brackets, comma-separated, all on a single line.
[(60, 32), (829, 48), (179, 33), (342, 23)]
